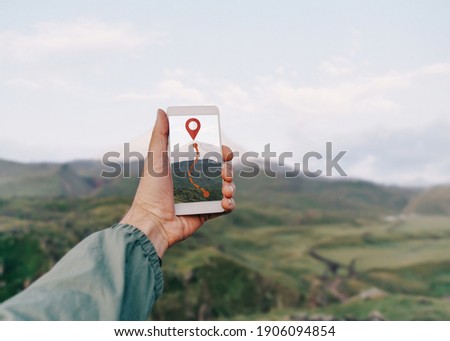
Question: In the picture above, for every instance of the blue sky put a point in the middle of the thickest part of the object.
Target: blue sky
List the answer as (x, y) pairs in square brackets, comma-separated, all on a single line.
[(373, 77)]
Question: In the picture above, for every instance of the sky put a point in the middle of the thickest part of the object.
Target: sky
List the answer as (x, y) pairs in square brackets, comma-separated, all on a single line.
[(373, 77)]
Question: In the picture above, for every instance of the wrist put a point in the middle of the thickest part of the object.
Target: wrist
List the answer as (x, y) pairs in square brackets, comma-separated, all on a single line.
[(150, 225)]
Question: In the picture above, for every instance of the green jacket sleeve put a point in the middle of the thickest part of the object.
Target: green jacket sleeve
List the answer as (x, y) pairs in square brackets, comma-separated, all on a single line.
[(113, 274)]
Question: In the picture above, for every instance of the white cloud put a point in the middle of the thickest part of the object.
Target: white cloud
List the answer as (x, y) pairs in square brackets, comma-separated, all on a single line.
[(402, 156), (346, 108), (175, 72), (43, 82), (235, 97), (339, 99), (337, 66), (364, 168), (177, 91), (360, 112), (433, 69), (81, 35), (133, 96), (21, 82), (343, 109)]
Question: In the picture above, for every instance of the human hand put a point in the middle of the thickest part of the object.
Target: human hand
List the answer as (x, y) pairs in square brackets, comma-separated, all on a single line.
[(153, 209)]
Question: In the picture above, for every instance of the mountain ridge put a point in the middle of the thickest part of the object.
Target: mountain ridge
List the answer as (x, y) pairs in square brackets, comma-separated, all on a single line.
[(81, 178)]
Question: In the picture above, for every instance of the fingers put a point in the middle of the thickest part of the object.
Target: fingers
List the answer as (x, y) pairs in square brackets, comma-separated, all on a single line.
[(227, 171), (227, 153), (228, 204), (228, 189)]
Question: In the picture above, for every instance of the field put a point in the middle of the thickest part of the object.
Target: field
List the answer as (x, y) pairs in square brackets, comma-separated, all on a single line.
[(294, 249), (400, 271)]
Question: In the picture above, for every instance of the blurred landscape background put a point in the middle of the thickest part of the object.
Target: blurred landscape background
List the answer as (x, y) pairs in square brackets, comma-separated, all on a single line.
[(294, 249), (78, 79)]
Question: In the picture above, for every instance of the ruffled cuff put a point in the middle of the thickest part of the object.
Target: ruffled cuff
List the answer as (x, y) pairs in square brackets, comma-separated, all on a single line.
[(149, 252)]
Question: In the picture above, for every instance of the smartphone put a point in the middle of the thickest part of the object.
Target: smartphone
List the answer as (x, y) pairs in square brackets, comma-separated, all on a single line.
[(195, 154)]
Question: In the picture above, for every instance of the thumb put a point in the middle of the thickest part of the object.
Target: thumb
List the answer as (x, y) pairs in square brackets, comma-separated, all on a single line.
[(159, 141)]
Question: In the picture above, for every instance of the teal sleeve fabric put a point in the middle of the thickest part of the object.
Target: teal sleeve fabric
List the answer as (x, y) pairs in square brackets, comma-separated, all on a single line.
[(113, 274)]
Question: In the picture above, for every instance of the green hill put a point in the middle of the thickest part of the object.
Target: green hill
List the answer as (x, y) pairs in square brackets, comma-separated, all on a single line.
[(82, 178), (294, 248), (41, 180), (49, 180), (435, 201), (13, 172)]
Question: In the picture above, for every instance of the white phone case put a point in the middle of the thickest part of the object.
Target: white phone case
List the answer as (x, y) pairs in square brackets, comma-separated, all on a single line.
[(200, 207)]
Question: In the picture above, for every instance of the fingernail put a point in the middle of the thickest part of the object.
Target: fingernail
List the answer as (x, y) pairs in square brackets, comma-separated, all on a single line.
[(231, 202), (231, 188)]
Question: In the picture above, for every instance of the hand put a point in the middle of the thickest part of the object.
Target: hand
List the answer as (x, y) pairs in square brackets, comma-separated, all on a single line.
[(153, 209)]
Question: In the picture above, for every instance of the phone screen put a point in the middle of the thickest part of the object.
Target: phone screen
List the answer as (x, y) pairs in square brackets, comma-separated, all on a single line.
[(195, 158)]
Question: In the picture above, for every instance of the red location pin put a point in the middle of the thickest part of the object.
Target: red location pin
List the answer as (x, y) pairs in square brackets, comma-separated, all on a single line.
[(193, 132)]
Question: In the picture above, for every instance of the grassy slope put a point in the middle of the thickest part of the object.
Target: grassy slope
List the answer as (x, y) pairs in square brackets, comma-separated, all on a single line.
[(271, 272), (409, 260), (254, 263), (42, 180), (435, 201)]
